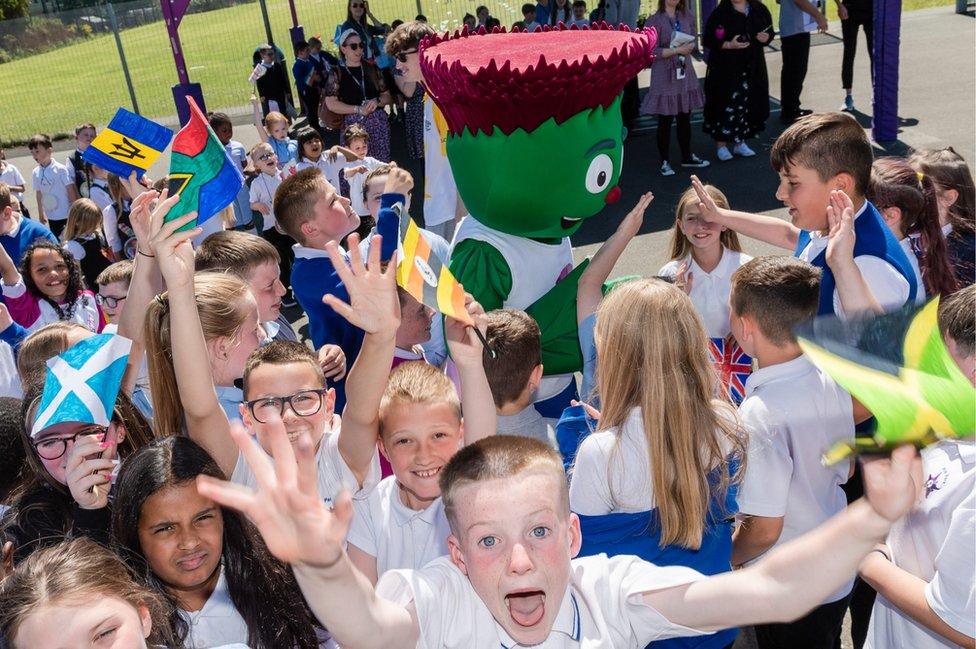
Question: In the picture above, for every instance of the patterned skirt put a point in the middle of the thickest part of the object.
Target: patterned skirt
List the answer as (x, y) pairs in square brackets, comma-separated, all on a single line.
[(733, 122), (378, 126)]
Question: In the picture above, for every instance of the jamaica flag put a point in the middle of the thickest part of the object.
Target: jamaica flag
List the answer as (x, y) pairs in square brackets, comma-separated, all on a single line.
[(200, 171)]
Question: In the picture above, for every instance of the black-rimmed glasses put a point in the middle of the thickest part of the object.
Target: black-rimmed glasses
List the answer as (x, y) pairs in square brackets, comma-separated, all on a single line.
[(402, 56), (303, 404), (108, 300), (54, 447)]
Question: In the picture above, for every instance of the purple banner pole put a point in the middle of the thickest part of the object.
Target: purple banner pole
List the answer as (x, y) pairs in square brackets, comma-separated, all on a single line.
[(297, 32), (705, 7), (887, 40), (173, 12)]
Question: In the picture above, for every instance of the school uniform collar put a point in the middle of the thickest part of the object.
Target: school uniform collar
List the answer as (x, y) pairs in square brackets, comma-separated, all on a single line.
[(403, 515), (721, 268), (303, 252), (790, 369), (407, 354), (568, 622), (16, 229), (816, 234)]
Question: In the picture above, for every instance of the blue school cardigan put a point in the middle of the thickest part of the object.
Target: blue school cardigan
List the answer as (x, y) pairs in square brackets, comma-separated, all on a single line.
[(639, 534), (874, 238)]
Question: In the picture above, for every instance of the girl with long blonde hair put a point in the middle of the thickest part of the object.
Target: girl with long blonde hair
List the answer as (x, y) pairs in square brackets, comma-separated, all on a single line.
[(657, 478), (231, 328)]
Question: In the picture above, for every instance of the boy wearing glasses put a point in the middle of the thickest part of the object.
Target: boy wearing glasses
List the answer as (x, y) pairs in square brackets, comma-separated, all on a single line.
[(113, 288), (442, 205)]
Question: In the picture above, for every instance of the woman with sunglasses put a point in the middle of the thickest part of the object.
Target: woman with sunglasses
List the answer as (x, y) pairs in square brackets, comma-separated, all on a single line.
[(64, 489), (360, 18), (208, 562), (356, 90)]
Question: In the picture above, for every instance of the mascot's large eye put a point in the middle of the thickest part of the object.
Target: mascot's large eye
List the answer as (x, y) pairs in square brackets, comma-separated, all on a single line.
[(599, 174)]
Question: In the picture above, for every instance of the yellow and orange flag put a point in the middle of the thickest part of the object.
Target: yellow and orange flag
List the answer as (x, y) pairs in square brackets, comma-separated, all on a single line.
[(422, 274)]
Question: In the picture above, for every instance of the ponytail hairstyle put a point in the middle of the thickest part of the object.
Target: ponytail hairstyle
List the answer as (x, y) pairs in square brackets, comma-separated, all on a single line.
[(894, 183), (680, 246), (263, 589), (222, 303), (76, 283), (84, 218), (118, 194), (689, 433), (75, 573), (948, 170)]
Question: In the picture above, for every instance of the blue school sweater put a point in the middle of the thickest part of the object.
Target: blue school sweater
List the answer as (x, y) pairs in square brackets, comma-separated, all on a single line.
[(28, 231), (313, 277), (639, 534), (873, 238)]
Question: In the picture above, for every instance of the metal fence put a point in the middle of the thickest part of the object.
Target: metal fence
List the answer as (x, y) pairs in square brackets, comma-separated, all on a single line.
[(62, 69)]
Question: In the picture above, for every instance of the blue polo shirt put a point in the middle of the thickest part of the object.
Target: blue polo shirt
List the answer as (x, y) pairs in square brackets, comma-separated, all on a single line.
[(26, 233)]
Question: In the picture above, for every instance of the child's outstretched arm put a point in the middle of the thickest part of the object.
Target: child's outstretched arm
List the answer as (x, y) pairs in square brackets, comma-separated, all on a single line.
[(589, 291), (334, 152), (259, 118), (374, 308), (146, 281), (907, 592), (206, 422), (299, 529), (854, 293), (477, 404), (773, 231), (794, 578)]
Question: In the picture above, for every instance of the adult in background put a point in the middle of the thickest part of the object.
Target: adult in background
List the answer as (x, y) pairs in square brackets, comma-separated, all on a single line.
[(561, 12), (355, 88), (359, 17), (797, 18), (736, 82), (854, 14), (617, 12), (674, 90)]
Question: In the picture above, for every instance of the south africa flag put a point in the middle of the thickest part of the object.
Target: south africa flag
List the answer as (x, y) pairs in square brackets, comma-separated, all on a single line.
[(200, 171)]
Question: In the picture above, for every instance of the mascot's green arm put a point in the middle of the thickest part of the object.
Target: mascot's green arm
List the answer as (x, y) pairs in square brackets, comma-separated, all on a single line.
[(483, 272), (556, 314)]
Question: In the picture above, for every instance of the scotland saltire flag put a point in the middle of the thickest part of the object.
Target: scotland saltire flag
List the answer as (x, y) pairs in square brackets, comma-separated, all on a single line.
[(129, 143), (82, 383), (733, 366)]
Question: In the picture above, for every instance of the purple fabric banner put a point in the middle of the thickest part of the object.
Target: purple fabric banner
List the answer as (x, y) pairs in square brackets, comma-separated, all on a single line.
[(887, 41)]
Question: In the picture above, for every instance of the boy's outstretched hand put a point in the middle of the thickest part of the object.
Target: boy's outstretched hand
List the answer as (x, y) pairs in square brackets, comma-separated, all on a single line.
[(293, 519), (892, 485), (373, 303), (708, 209), (461, 339)]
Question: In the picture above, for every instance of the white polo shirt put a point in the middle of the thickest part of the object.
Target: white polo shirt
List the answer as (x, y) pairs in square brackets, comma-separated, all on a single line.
[(906, 245), (334, 474), (710, 291), (399, 537), (612, 471), (263, 189), (218, 623), (603, 607), (330, 170), (935, 542), (887, 285), (356, 183), (440, 191), (53, 181), (793, 413)]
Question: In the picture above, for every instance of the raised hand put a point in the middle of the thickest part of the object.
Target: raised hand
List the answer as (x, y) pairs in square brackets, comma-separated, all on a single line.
[(373, 303), (461, 339), (333, 362), (398, 181), (173, 251), (894, 484), (133, 186), (88, 470), (840, 232), (632, 223), (286, 507), (141, 217), (707, 207)]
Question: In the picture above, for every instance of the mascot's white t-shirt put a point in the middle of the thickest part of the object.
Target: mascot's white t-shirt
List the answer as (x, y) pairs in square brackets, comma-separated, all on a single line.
[(440, 192)]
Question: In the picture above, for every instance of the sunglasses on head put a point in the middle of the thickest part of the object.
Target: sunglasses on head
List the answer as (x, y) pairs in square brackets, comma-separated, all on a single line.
[(353, 46), (402, 56)]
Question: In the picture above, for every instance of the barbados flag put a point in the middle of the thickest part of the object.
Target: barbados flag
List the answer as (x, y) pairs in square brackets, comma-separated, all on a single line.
[(129, 143), (200, 170), (422, 274)]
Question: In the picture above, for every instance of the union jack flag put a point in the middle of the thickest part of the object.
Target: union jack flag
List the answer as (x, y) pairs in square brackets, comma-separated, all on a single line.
[(733, 366)]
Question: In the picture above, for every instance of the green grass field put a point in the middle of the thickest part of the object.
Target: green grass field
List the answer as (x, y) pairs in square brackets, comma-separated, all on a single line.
[(54, 91)]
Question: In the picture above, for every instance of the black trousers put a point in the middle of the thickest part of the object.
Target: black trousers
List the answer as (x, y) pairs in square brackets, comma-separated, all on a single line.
[(818, 629), (796, 55), (283, 244), (664, 135), (848, 30)]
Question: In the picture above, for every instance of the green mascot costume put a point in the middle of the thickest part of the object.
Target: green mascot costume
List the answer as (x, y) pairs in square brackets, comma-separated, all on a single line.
[(535, 142)]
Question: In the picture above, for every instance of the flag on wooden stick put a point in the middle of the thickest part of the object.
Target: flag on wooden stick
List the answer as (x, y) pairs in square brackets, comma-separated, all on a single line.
[(422, 274)]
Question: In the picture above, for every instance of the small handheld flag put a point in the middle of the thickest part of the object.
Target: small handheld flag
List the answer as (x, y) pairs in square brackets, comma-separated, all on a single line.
[(82, 383), (200, 171), (898, 366), (733, 366), (258, 72), (129, 143), (425, 277)]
